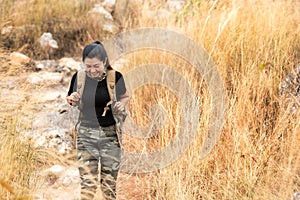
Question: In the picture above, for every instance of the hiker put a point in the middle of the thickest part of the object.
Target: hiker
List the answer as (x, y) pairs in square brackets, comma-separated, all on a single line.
[(98, 91)]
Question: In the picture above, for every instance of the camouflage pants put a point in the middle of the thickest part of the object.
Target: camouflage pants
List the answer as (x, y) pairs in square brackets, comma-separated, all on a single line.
[(98, 148)]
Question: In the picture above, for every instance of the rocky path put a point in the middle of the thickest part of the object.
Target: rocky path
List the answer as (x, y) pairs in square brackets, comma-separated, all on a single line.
[(37, 99)]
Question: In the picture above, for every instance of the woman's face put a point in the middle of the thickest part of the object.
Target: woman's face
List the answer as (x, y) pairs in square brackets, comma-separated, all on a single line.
[(94, 67)]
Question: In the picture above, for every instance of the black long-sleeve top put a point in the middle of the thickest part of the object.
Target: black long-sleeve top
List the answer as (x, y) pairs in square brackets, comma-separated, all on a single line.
[(94, 98)]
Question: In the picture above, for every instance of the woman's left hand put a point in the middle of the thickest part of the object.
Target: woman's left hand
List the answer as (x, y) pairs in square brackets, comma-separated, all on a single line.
[(119, 106)]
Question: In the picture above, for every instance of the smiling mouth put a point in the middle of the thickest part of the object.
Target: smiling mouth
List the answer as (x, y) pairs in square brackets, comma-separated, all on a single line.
[(95, 74)]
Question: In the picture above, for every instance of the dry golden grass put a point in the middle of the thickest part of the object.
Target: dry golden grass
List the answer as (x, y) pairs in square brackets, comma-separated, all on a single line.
[(254, 44), (18, 162)]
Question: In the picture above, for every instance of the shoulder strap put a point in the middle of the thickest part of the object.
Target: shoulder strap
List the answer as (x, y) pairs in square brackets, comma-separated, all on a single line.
[(81, 74), (111, 82), (111, 87)]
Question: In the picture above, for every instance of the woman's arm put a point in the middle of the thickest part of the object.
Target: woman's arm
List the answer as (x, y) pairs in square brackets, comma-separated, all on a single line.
[(72, 98), (123, 101)]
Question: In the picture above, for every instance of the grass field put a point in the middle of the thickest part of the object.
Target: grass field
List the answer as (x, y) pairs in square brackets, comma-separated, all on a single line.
[(254, 45)]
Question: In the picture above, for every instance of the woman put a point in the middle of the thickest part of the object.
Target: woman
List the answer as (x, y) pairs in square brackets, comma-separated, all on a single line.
[(98, 144)]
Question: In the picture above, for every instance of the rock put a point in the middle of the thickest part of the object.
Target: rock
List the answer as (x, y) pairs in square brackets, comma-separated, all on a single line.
[(296, 196), (100, 14), (19, 58), (62, 176), (69, 65), (63, 119), (109, 5), (48, 44), (48, 65), (175, 5), (6, 30), (47, 41), (120, 63), (39, 141), (99, 9), (56, 169), (47, 78), (290, 90), (71, 176), (60, 183), (52, 129), (110, 27), (49, 97), (54, 139), (120, 9)]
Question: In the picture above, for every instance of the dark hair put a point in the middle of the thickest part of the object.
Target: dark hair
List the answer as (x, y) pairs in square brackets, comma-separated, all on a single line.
[(96, 50)]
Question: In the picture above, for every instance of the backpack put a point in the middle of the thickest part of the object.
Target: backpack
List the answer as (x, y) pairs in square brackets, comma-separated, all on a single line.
[(111, 82)]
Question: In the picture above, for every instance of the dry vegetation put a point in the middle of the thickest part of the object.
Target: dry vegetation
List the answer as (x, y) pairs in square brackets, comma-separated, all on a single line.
[(254, 44)]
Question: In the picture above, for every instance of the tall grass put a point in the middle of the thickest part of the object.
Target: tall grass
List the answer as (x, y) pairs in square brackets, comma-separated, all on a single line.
[(69, 23), (18, 162), (254, 44)]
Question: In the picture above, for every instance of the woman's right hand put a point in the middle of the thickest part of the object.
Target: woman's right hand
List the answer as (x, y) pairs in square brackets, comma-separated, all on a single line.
[(73, 99)]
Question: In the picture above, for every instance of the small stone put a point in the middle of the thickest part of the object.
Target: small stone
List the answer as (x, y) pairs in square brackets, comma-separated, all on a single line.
[(6, 30), (109, 5), (296, 196), (98, 9), (110, 27), (69, 64), (175, 5), (45, 77), (19, 58), (57, 169)]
